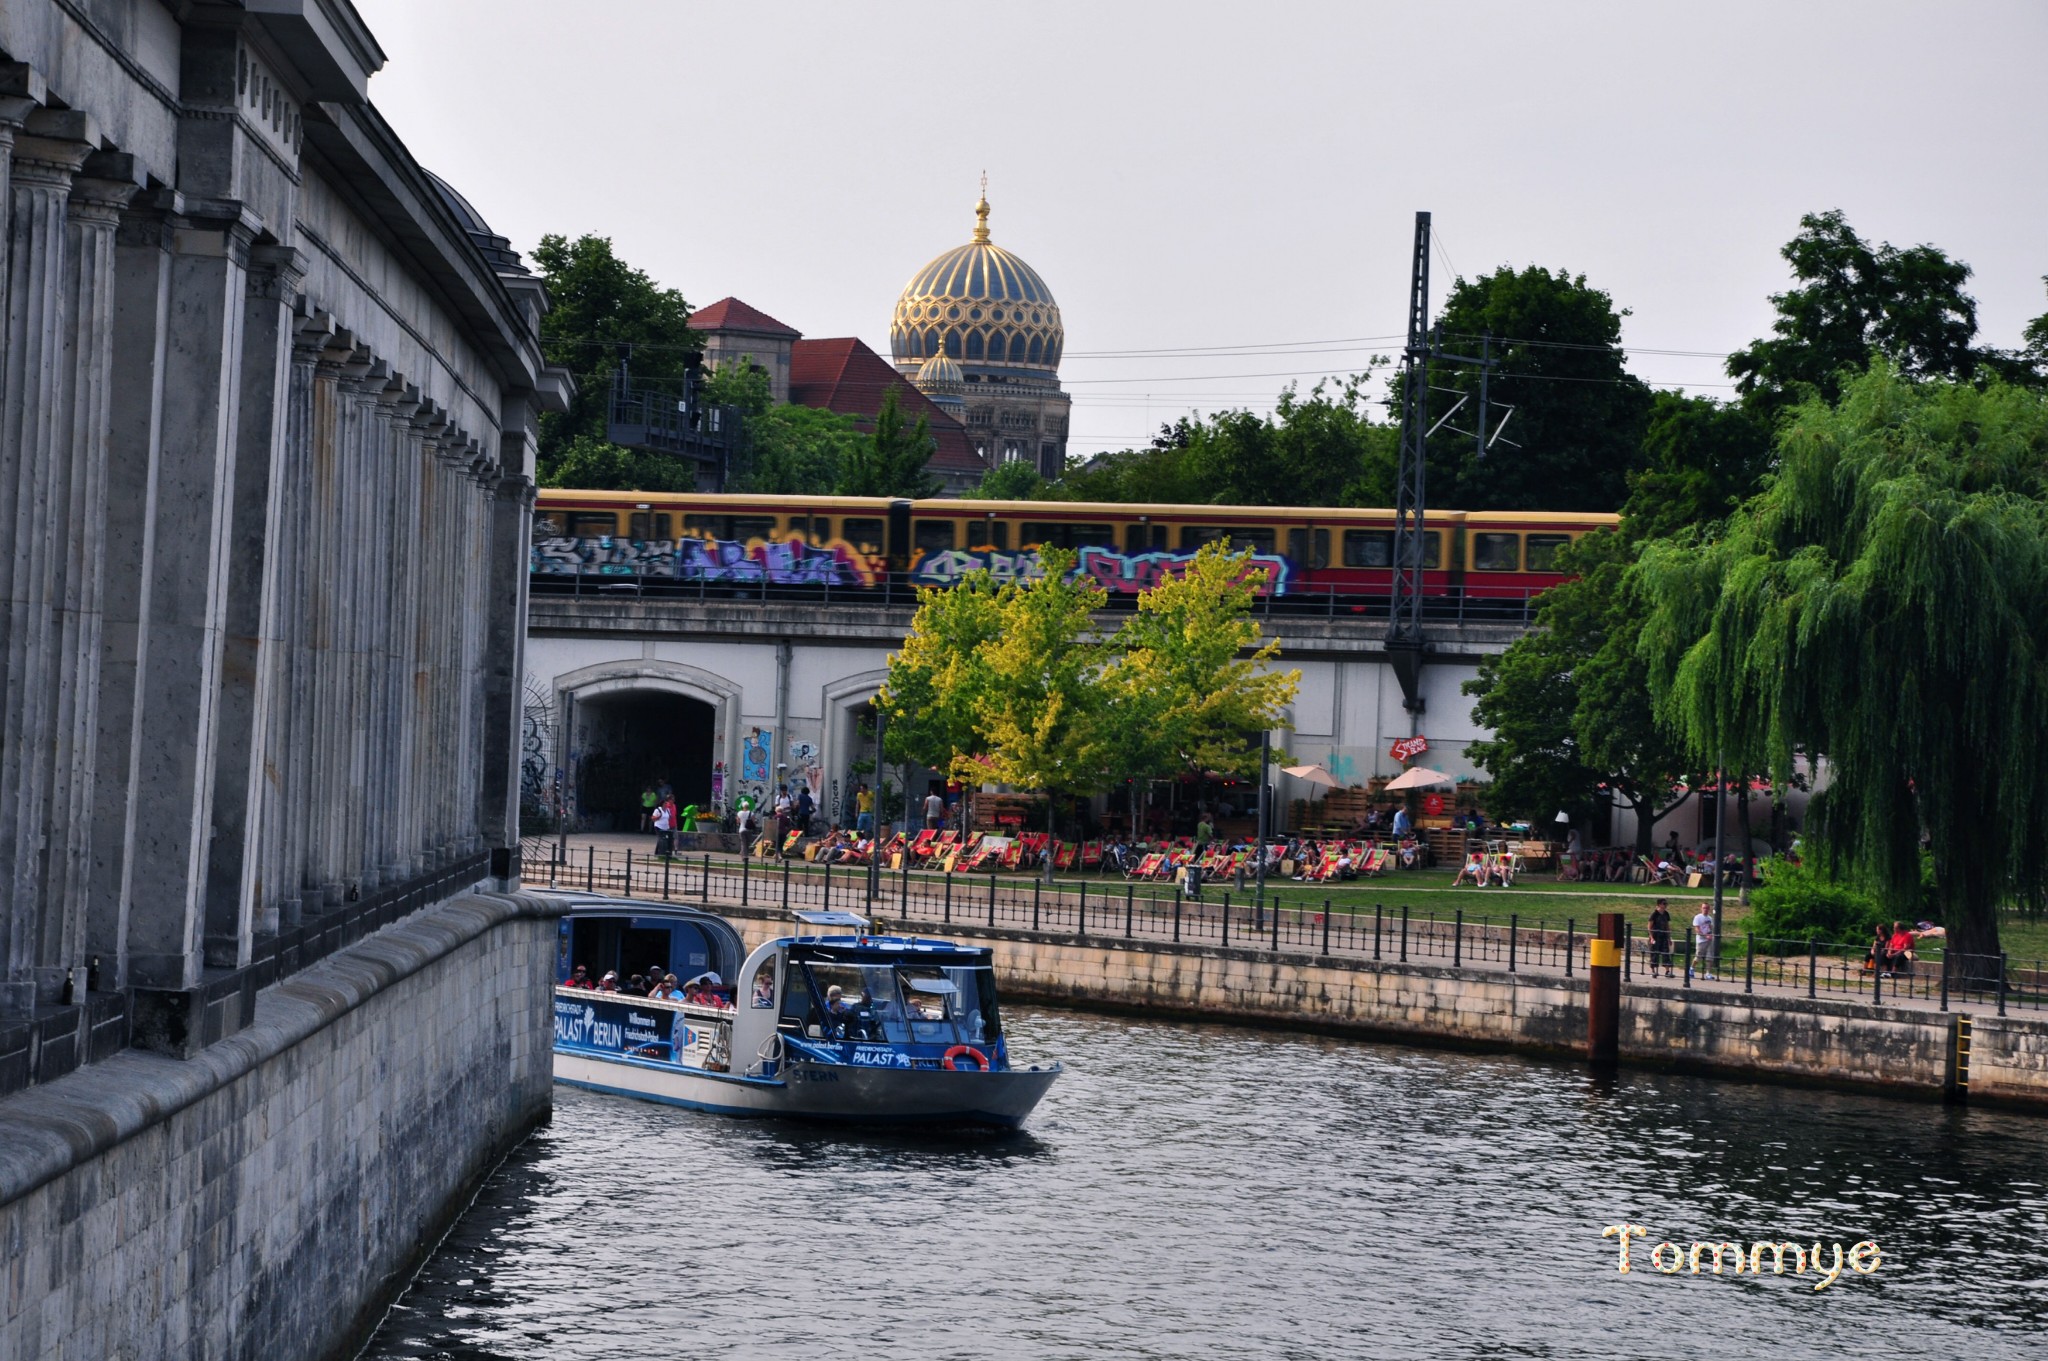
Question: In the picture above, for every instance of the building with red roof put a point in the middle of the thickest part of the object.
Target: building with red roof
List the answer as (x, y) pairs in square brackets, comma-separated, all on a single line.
[(840, 374)]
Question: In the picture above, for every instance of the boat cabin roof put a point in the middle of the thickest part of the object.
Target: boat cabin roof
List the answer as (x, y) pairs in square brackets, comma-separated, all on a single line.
[(885, 950)]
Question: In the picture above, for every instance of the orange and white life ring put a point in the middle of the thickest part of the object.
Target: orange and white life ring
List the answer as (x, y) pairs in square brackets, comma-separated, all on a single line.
[(966, 1051)]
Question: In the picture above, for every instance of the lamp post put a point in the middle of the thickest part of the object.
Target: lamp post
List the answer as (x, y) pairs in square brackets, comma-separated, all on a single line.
[(1720, 815), (1265, 755)]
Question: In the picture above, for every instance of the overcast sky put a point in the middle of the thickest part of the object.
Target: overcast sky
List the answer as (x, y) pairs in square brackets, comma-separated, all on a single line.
[(1207, 175)]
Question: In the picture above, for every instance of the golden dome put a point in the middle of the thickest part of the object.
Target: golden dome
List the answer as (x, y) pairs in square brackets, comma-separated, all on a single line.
[(980, 305), (940, 376)]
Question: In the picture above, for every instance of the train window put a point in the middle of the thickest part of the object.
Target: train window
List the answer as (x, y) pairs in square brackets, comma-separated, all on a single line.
[(1038, 532), (593, 525), (1146, 538), (987, 534), (550, 524), (933, 536), (707, 526), (752, 527), (1496, 552), (1375, 548), (643, 524), (811, 528), (1368, 548), (1309, 547), (1237, 539), (863, 533), (1543, 551)]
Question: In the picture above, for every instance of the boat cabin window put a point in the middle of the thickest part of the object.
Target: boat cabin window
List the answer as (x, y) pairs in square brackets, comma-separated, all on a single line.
[(899, 1004)]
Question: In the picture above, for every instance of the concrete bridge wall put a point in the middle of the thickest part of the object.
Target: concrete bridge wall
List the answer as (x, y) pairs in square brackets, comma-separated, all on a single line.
[(802, 672)]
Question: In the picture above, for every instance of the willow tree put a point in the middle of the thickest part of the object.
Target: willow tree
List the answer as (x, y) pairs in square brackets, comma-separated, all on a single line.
[(1880, 606)]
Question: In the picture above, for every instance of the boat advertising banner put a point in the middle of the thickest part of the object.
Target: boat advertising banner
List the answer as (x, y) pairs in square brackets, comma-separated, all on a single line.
[(607, 1024)]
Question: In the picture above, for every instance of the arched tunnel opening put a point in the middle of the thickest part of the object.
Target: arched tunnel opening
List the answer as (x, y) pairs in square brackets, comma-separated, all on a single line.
[(638, 739)]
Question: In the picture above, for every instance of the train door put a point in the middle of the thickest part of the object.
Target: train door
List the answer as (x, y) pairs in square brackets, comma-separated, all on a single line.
[(900, 547)]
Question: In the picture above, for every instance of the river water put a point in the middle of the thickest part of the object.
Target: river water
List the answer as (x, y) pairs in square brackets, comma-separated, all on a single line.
[(1231, 1193)]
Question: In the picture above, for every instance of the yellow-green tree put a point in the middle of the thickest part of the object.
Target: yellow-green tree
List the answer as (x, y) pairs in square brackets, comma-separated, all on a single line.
[(1193, 677), (1014, 683)]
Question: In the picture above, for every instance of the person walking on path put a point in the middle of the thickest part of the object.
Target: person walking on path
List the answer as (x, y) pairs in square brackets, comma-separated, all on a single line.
[(864, 810), (663, 817), (1703, 939), (934, 809), (1660, 939), (647, 803)]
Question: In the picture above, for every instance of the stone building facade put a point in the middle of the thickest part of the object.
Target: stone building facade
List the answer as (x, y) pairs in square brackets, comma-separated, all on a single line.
[(269, 396), (268, 402)]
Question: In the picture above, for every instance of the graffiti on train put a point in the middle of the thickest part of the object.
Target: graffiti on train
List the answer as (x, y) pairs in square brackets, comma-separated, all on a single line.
[(1118, 573), (782, 562), (948, 566), (1130, 573)]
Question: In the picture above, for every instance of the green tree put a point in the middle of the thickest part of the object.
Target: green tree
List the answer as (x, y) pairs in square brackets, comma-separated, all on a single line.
[(891, 462), (604, 313), (1569, 703), (1323, 449), (592, 463), (928, 699), (1703, 459), (790, 450), (1194, 675), (1015, 480), (1878, 608), (1856, 302), (1577, 427)]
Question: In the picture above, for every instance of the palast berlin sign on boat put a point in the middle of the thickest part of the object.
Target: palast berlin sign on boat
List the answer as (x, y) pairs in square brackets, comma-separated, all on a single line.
[(1408, 748)]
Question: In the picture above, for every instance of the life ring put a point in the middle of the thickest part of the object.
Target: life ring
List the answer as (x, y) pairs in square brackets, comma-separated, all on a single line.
[(966, 1051)]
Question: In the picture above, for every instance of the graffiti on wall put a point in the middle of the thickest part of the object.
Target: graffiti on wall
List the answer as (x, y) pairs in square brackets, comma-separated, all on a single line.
[(538, 788), (755, 750), (803, 756), (782, 562)]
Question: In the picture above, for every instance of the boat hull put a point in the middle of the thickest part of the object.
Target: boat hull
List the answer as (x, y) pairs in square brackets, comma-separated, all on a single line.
[(821, 1091)]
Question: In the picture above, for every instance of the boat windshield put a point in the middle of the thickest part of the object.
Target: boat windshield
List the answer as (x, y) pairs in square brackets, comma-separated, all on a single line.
[(903, 1004)]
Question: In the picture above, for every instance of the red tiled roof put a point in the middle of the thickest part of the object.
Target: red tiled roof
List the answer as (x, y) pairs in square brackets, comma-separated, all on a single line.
[(730, 314), (846, 376)]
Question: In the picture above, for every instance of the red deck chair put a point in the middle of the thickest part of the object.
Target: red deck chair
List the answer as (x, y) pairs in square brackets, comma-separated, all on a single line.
[(1091, 855), (1063, 858)]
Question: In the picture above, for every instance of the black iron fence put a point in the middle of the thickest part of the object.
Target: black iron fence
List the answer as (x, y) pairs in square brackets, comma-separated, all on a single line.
[(1291, 922)]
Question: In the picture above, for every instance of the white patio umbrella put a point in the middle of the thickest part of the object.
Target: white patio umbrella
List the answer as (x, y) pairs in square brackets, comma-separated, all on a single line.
[(1420, 777), (1312, 773)]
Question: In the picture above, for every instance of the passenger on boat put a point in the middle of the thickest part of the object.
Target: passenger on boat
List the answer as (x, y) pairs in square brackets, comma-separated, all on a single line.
[(637, 985), (666, 990), (764, 988), (609, 983), (579, 977)]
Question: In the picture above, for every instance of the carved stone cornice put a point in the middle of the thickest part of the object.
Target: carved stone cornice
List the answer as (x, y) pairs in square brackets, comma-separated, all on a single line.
[(275, 272)]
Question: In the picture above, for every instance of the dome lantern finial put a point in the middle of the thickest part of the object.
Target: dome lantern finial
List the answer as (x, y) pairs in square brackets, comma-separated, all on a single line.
[(981, 212)]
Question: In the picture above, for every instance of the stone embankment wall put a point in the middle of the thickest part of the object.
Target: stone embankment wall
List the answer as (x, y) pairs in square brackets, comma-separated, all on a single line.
[(267, 1198), (1842, 1043)]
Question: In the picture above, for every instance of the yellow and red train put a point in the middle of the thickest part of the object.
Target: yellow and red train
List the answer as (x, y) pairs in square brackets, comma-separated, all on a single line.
[(846, 541)]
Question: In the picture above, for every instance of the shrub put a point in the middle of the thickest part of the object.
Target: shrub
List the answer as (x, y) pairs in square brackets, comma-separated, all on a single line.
[(1796, 902)]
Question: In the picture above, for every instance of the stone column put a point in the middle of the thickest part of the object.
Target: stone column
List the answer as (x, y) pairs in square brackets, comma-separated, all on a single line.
[(34, 438), (299, 741), (142, 263), (180, 694), (80, 502), (22, 91), (236, 891)]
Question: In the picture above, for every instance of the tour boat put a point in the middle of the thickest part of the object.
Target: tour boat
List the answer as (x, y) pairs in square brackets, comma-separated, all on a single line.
[(829, 1023)]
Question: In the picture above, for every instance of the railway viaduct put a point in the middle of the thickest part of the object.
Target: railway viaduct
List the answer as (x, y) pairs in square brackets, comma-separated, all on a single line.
[(764, 686), (270, 1000)]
